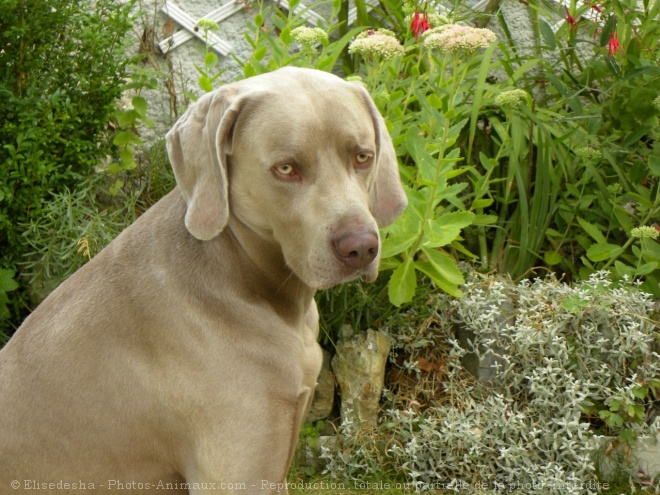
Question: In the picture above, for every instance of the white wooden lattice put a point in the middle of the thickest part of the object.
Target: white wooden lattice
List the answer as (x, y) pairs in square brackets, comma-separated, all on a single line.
[(222, 47), (188, 24)]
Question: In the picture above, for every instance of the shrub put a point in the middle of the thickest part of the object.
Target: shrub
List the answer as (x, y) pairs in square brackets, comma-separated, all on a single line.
[(63, 65), (74, 226), (578, 366)]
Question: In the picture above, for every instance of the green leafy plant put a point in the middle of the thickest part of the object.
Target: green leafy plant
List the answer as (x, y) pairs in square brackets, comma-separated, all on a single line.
[(277, 40), (602, 80), (63, 65), (206, 77), (127, 139), (7, 284), (429, 112), (75, 226)]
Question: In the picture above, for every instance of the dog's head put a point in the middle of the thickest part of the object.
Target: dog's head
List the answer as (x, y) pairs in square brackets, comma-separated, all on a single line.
[(303, 159)]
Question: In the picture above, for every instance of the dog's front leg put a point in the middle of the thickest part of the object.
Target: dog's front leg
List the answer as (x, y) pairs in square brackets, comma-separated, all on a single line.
[(251, 451)]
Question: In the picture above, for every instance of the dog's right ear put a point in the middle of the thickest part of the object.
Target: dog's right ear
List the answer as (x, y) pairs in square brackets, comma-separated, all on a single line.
[(198, 145)]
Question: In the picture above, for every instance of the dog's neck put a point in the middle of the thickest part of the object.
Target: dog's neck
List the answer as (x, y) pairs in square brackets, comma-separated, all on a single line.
[(264, 259)]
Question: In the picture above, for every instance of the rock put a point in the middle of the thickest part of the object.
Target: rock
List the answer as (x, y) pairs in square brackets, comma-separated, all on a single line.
[(324, 394), (484, 364), (359, 367), (615, 460), (310, 456)]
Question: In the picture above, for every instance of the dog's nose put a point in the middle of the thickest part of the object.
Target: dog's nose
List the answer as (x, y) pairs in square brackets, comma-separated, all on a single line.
[(355, 249)]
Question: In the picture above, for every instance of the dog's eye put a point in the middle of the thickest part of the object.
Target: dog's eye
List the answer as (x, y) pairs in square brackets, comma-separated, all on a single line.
[(285, 171), (362, 159)]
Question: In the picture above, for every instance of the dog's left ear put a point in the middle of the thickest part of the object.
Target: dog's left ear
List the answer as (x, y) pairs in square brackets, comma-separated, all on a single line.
[(387, 197)]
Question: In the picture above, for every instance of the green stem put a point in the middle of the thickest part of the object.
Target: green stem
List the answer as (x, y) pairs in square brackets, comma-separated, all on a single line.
[(441, 153)]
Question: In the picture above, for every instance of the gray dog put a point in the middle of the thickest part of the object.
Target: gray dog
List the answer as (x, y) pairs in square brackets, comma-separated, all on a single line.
[(184, 355)]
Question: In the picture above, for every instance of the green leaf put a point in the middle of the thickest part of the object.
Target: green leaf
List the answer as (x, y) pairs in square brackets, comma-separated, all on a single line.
[(395, 244), (249, 70), (592, 230), (140, 105), (640, 392), (547, 34), (388, 264), (627, 437), (122, 138), (286, 36), (635, 136), (651, 250), (430, 271), (445, 265), (614, 405), (148, 122), (612, 419), (622, 269), (552, 258), (623, 217), (205, 83), (435, 101), (126, 156), (654, 165), (646, 268), (127, 117), (601, 252), (574, 304), (7, 282), (481, 203), (210, 60), (484, 220), (115, 168), (260, 53), (326, 63), (192, 96), (572, 99), (447, 228), (402, 285), (424, 161)]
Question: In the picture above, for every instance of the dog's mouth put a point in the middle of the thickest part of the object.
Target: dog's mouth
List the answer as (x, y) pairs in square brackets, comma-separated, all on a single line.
[(338, 260), (346, 274)]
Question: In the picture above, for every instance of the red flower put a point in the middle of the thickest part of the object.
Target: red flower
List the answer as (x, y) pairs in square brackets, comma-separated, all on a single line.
[(570, 20), (420, 24), (595, 6), (613, 44)]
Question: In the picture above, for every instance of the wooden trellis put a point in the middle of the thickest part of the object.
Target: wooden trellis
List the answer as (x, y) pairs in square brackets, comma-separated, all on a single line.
[(222, 47)]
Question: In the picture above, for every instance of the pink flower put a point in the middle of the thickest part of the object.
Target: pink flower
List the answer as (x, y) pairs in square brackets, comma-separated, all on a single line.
[(613, 44), (420, 24)]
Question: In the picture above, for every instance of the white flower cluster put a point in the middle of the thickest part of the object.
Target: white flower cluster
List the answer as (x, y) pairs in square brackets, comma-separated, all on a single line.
[(454, 38), (511, 99), (308, 36), (380, 43), (644, 232), (208, 25), (589, 154)]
